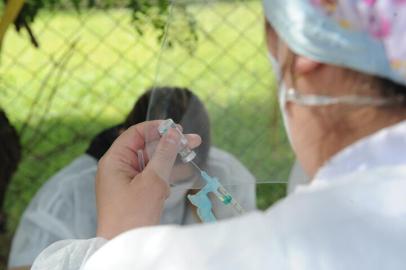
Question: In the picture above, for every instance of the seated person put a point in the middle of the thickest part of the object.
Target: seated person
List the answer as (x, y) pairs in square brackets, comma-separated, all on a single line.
[(65, 207), (10, 155)]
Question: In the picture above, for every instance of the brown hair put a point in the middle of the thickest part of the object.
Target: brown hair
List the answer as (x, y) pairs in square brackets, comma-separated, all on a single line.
[(389, 88)]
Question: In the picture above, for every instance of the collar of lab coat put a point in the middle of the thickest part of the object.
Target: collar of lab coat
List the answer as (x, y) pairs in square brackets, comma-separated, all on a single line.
[(386, 147)]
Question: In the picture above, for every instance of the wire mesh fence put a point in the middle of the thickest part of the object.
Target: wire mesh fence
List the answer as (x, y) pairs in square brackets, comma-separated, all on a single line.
[(92, 65)]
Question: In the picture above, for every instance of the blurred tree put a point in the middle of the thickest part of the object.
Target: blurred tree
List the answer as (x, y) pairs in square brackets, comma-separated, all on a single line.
[(144, 13)]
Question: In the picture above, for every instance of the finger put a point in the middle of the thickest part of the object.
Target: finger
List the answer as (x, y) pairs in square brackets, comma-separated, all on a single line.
[(180, 127), (143, 136), (194, 140), (150, 148), (163, 159), (125, 147), (135, 137)]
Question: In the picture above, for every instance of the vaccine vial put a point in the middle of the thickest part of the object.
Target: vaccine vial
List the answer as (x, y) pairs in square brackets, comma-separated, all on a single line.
[(184, 151)]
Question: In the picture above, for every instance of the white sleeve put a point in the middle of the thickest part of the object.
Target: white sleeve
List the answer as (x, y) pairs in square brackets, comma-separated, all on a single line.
[(67, 254), (240, 243), (210, 246)]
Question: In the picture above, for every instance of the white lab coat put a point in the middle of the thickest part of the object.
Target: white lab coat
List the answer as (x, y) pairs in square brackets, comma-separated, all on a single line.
[(351, 216), (297, 177), (65, 207)]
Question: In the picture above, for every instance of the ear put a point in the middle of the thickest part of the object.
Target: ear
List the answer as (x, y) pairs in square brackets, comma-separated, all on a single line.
[(271, 38), (304, 65)]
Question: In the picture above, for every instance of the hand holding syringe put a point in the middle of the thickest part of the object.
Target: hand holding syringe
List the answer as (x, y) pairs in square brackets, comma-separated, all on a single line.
[(201, 199)]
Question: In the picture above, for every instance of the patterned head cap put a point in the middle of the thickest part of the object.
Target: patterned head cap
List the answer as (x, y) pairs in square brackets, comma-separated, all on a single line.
[(365, 35)]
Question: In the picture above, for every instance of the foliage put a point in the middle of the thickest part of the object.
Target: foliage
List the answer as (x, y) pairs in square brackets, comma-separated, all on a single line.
[(145, 13)]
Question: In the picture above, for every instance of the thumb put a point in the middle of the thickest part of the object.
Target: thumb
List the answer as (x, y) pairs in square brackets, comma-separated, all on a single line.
[(164, 157)]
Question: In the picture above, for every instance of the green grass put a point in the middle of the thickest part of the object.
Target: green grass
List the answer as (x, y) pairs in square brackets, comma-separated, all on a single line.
[(61, 105)]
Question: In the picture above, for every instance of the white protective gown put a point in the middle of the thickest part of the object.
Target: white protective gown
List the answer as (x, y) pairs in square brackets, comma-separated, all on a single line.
[(297, 177), (351, 216), (65, 207)]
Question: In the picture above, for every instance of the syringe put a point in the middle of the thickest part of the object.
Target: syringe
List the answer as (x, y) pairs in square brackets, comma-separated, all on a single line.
[(221, 193), (229, 200), (201, 199)]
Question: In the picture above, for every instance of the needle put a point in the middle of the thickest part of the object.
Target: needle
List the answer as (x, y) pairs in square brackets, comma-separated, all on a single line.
[(197, 167)]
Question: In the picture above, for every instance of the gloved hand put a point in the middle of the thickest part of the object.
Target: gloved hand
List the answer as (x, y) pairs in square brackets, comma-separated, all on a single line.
[(127, 197)]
